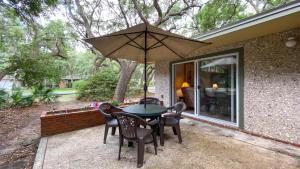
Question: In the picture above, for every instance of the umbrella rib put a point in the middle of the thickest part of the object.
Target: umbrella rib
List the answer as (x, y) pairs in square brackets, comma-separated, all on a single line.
[(156, 47), (183, 38), (123, 45), (166, 46), (135, 46), (132, 40), (153, 46)]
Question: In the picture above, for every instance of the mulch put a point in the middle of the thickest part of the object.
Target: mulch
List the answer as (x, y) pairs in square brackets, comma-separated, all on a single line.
[(20, 133)]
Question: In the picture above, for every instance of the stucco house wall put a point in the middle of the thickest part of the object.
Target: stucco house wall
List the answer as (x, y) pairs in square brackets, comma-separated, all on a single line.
[(271, 85)]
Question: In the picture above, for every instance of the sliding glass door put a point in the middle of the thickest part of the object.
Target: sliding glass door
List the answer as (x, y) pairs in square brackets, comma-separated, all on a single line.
[(217, 84), (209, 87)]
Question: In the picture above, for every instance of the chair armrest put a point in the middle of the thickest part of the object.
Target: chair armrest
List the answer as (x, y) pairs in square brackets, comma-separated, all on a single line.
[(170, 108), (153, 122)]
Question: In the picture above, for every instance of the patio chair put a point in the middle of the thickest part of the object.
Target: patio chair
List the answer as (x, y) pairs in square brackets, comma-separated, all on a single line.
[(150, 100), (106, 109), (172, 119), (129, 126)]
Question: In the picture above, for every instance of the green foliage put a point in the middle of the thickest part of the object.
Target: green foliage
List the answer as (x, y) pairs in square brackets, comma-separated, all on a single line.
[(100, 86), (43, 94), (19, 100), (78, 63), (134, 88), (33, 67), (32, 58), (219, 12), (28, 7), (115, 103), (80, 83), (3, 99)]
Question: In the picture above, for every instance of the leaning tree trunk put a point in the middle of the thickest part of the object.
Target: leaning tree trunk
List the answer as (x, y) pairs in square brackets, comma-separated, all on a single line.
[(2, 74), (127, 69)]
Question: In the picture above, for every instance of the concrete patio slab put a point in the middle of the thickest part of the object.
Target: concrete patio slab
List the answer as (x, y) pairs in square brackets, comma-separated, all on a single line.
[(204, 146)]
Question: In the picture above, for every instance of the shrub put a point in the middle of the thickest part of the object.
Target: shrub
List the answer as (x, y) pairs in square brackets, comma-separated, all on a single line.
[(3, 99), (133, 89), (43, 94), (100, 86), (78, 84), (115, 103), (19, 100)]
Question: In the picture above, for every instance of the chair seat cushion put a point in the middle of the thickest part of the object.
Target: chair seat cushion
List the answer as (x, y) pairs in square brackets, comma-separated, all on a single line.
[(169, 121), (142, 132), (112, 123)]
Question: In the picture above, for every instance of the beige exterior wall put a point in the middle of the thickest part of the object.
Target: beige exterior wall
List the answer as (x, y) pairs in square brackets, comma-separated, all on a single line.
[(271, 85)]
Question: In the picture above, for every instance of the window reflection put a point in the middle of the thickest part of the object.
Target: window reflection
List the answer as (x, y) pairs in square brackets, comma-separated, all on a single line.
[(217, 79)]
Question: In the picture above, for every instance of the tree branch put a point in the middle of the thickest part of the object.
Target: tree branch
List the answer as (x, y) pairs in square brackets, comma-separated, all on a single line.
[(124, 14), (135, 3), (83, 16), (158, 9)]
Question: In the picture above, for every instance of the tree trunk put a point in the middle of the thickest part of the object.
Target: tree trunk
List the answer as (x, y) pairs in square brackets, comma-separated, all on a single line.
[(127, 69), (2, 74)]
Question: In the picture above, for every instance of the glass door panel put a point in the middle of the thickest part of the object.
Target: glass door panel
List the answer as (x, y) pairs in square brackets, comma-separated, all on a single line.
[(217, 88)]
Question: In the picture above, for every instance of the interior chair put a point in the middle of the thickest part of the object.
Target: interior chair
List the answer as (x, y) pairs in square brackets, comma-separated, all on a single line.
[(172, 119), (129, 127), (188, 95), (106, 109)]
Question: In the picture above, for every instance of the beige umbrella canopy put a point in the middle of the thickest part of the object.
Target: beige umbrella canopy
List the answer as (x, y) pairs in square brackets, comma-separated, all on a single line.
[(145, 43), (130, 44)]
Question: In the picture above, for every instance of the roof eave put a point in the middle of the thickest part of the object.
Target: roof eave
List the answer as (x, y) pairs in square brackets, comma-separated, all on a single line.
[(264, 17)]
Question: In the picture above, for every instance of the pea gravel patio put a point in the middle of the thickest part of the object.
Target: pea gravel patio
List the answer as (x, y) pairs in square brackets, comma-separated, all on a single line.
[(204, 147)]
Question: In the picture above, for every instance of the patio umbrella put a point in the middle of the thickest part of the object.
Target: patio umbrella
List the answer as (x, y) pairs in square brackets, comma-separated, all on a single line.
[(145, 43)]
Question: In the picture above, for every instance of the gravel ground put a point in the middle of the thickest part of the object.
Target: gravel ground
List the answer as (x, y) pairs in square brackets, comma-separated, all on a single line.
[(204, 147)]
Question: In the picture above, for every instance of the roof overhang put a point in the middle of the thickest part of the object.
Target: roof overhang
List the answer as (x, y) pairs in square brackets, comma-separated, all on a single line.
[(277, 20)]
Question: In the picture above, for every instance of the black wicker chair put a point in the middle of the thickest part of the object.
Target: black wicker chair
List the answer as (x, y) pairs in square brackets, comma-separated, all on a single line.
[(172, 119), (129, 126), (107, 109), (150, 100)]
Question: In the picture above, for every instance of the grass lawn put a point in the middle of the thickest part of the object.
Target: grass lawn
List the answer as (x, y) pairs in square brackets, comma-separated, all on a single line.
[(64, 90), (59, 91)]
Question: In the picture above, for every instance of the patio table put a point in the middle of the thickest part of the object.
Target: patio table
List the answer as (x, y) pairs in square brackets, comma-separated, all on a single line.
[(151, 110)]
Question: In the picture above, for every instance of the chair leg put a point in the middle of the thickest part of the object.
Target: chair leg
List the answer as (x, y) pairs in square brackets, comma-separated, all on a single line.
[(178, 133), (120, 146), (154, 142), (113, 131), (174, 130), (140, 153), (105, 134), (161, 134), (122, 142)]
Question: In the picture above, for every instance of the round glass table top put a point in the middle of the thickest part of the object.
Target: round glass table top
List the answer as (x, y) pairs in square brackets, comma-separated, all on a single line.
[(150, 111)]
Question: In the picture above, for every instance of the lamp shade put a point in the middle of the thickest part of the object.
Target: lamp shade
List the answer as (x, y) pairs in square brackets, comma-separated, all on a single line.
[(215, 86), (179, 93), (185, 84)]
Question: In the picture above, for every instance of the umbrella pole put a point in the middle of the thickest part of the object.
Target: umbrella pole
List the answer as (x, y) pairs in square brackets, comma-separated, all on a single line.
[(145, 69)]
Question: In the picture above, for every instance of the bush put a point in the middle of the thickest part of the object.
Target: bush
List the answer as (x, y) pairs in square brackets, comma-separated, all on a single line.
[(3, 99), (133, 89), (79, 84), (18, 100), (115, 103), (100, 86), (43, 94)]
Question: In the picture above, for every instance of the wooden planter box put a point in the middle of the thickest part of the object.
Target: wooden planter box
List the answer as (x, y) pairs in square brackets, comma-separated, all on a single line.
[(60, 121)]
